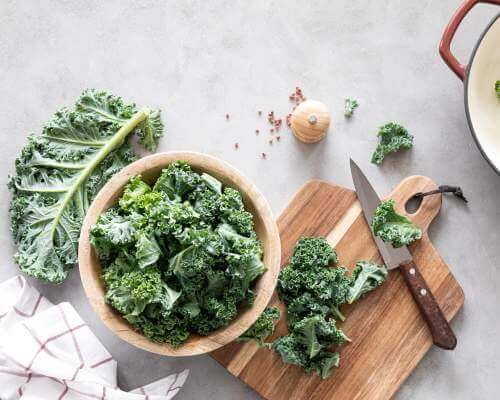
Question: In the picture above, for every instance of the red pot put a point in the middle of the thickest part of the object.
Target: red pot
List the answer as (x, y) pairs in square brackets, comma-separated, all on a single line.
[(482, 105)]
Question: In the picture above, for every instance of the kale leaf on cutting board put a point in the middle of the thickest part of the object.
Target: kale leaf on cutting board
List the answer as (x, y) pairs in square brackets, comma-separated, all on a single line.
[(313, 293), (59, 172), (392, 138), (366, 276), (179, 257), (262, 328), (392, 227)]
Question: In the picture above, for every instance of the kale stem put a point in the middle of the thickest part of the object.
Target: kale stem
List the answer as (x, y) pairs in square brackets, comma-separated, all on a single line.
[(456, 190), (115, 142), (336, 313)]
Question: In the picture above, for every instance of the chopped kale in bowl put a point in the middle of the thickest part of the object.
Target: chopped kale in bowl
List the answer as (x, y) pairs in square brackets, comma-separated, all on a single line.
[(178, 257)]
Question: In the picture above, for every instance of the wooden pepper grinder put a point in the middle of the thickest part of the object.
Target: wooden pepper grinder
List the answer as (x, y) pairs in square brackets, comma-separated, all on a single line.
[(310, 121)]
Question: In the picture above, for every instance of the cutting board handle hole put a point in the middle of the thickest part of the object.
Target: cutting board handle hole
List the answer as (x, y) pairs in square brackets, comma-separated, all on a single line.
[(413, 204)]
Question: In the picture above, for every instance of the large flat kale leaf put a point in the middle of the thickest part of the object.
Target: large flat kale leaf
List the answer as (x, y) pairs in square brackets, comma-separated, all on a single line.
[(59, 172)]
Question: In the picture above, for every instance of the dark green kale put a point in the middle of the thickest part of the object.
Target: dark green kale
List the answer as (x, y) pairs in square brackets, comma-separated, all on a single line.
[(179, 257), (392, 227), (313, 252), (292, 352), (313, 292), (497, 88), (349, 106), (392, 138), (307, 277), (263, 327), (316, 333), (60, 171)]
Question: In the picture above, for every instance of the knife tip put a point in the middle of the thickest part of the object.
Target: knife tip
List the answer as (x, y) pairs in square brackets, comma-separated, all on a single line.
[(352, 163)]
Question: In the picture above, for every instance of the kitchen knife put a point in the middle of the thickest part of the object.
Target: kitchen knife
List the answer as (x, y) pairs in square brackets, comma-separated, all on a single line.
[(441, 332)]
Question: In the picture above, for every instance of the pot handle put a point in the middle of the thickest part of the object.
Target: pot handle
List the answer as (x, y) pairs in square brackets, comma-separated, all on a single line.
[(449, 33)]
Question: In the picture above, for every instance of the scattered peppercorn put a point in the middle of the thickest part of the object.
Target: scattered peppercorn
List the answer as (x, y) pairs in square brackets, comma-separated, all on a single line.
[(259, 112), (227, 116), (271, 130), (270, 141), (263, 156), (278, 138), (297, 96), (257, 131), (270, 117), (236, 146)]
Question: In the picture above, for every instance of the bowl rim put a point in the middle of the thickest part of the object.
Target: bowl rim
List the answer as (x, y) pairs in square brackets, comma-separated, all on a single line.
[(94, 288)]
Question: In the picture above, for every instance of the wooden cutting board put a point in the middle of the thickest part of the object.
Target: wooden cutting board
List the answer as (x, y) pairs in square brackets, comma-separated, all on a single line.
[(389, 337)]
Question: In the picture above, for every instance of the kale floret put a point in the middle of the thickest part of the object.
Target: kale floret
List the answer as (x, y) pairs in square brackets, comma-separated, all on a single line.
[(207, 204), (216, 313), (392, 227), (231, 200), (133, 291), (349, 106), (177, 181), (392, 138), (263, 327), (172, 330), (313, 252), (292, 352), (316, 333)]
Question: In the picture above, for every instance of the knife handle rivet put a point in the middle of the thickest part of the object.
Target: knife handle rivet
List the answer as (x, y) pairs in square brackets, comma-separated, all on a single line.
[(423, 292), (412, 271)]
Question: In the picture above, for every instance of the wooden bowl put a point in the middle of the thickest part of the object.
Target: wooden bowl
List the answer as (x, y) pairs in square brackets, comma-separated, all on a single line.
[(150, 168)]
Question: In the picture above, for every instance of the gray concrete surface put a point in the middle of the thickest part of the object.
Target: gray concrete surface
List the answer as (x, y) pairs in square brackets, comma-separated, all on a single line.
[(198, 60)]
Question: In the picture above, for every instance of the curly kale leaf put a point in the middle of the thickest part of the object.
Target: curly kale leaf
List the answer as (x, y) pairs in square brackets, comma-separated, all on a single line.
[(392, 138), (131, 292), (172, 329), (366, 276), (177, 181), (59, 172), (316, 333), (392, 227), (313, 252), (179, 257), (307, 277), (323, 363), (293, 352), (263, 327), (349, 106)]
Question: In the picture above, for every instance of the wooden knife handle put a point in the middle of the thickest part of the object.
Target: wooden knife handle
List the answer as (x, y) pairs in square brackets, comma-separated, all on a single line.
[(442, 335)]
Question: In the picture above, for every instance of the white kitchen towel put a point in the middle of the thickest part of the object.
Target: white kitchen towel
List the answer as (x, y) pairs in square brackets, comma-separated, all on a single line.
[(48, 352)]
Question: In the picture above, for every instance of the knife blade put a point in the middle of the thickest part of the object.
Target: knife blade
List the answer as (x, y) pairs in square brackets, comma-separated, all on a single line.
[(369, 200), (441, 332)]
